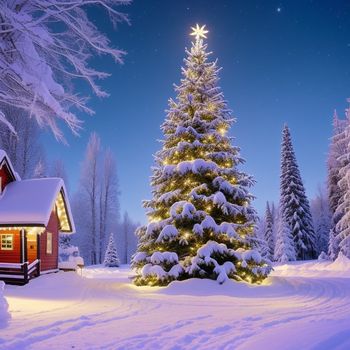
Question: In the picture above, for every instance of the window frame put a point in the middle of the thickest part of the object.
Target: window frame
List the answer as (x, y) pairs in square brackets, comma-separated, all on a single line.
[(3, 244), (49, 244)]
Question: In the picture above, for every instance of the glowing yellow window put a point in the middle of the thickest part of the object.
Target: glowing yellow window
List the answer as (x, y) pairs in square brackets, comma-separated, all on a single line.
[(48, 243), (6, 242)]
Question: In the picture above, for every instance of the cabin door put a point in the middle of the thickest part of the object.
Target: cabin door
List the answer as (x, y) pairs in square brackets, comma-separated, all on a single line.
[(32, 247)]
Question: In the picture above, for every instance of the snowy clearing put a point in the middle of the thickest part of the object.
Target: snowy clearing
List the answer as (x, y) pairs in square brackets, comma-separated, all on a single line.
[(301, 306)]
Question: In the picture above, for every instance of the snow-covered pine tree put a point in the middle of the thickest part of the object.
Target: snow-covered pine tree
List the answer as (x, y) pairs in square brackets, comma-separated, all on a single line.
[(111, 255), (257, 240), (284, 248), (343, 208), (337, 149), (269, 234), (200, 217), (295, 208), (321, 217)]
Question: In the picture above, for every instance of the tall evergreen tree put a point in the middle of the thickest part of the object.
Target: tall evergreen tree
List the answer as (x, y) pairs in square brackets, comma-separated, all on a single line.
[(343, 208), (295, 208), (258, 239), (321, 217), (269, 234), (200, 216), (111, 256), (337, 150)]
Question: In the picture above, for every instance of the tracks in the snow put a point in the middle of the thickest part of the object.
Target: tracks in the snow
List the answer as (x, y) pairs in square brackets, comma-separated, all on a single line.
[(108, 315)]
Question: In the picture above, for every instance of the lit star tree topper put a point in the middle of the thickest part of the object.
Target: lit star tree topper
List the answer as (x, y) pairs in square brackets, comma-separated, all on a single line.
[(201, 221), (199, 32)]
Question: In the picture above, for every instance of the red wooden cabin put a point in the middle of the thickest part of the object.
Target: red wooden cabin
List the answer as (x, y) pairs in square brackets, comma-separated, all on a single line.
[(32, 214)]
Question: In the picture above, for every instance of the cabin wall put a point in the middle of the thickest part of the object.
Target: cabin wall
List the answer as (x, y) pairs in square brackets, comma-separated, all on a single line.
[(50, 261), (32, 245), (12, 256), (5, 176)]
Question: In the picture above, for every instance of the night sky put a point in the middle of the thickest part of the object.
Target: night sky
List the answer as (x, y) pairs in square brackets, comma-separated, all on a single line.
[(283, 62)]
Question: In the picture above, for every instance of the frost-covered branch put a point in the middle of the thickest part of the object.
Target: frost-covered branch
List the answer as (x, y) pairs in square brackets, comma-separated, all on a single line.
[(44, 47)]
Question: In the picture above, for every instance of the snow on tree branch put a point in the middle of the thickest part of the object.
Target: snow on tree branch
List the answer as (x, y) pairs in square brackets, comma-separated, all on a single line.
[(44, 47)]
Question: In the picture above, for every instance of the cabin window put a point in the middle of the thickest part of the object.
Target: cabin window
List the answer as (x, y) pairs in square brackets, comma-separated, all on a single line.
[(48, 243), (6, 242)]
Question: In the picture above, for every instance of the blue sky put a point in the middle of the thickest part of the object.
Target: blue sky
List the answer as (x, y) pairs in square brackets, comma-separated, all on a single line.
[(283, 62)]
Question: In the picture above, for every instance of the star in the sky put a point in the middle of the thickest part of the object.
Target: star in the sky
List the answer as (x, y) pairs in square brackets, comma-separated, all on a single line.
[(199, 32), (278, 9)]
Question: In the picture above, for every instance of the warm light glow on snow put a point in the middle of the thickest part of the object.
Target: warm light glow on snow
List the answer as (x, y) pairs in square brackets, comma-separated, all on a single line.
[(90, 308)]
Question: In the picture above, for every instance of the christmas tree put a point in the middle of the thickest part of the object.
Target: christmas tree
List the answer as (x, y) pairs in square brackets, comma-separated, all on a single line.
[(111, 255), (295, 207), (200, 218)]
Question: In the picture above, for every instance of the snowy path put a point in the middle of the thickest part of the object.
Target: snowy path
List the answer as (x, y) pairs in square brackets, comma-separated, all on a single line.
[(107, 312)]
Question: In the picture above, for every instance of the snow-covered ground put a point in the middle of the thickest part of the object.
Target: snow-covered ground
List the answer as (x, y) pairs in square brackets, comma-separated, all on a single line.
[(301, 306)]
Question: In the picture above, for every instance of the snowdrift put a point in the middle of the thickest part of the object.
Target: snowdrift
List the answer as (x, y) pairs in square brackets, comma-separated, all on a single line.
[(315, 268), (272, 287), (4, 314)]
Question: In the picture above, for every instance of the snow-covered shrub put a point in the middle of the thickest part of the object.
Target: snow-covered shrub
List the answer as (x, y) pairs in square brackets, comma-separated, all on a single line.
[(323, 256), (4, 314), (66, 253), (69, 257)]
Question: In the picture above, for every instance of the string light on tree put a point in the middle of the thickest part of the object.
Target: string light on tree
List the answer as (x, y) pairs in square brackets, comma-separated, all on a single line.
[(222, 131)]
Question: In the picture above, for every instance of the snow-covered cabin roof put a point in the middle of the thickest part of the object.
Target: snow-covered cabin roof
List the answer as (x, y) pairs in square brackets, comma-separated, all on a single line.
[(30, 202), (4, 157)]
